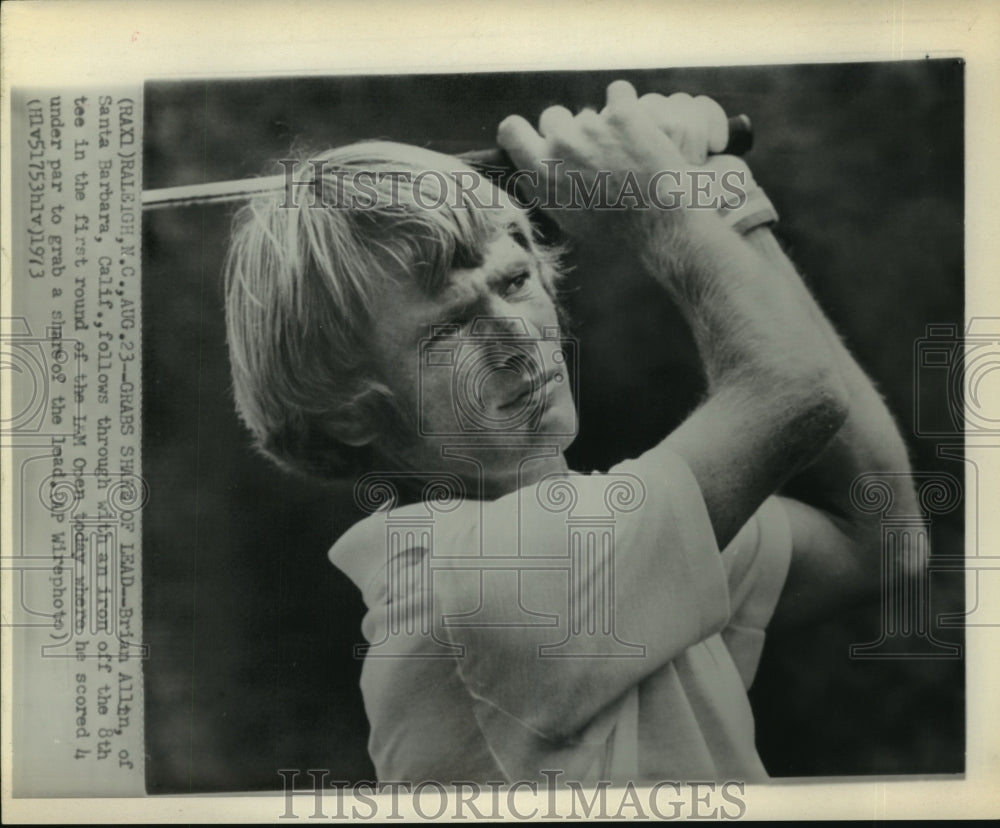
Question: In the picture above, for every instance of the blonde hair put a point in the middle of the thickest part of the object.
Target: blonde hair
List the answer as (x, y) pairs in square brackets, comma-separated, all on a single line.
[(301, 276)]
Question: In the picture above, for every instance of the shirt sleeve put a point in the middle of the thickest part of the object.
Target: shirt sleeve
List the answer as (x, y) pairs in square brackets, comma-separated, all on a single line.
[(619, 574), (756, 562)]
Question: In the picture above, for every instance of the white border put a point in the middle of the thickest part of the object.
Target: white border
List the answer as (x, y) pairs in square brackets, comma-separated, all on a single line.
[(44, 42)]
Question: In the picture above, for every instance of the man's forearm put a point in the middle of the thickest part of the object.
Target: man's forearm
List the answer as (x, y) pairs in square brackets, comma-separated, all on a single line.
[(869, 440), (775, 393)]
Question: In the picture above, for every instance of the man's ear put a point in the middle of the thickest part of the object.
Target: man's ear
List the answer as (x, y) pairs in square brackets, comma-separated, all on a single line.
[(357, 435), (367, 421), (358, 432)]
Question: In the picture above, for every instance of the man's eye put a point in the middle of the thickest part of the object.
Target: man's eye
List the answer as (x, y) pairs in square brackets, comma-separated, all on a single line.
[(516, 283)]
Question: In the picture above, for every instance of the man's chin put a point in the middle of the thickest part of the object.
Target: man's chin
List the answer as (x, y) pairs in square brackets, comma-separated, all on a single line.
[(559, 424)]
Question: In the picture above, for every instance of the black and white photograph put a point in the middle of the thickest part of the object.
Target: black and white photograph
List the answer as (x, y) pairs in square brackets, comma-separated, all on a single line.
[(392, 342), (613, 435)]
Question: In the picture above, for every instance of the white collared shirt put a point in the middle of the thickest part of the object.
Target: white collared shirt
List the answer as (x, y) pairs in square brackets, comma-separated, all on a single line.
[(603, 638)]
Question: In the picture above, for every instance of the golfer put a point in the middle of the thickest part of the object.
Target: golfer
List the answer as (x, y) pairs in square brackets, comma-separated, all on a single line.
[(404, 325)]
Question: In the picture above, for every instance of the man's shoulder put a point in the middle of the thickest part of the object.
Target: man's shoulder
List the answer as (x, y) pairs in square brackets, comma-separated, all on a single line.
[(453, 525), (538, 511)]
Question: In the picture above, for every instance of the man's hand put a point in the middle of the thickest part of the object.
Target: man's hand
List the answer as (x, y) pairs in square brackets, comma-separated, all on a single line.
[(697, 126), (643, 147)]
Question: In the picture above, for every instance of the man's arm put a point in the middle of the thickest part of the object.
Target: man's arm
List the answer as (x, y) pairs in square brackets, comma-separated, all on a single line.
[(775, 392), (774, 396), (834, 544), (785, 397)]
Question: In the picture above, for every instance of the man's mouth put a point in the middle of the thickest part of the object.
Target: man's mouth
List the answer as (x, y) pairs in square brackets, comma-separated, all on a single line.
[(529, 389)]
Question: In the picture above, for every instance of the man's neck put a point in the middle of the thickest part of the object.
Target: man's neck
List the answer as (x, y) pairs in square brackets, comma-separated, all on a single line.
[(476, 466)]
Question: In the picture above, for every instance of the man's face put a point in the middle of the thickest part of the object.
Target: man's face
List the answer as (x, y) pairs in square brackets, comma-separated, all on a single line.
[(482, 369)]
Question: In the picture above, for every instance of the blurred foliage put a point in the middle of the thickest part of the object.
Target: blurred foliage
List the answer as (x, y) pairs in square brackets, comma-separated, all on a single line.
[(252, 630)]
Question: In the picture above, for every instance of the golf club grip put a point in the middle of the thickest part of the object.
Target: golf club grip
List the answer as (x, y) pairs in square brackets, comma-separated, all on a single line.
[(740, 142)]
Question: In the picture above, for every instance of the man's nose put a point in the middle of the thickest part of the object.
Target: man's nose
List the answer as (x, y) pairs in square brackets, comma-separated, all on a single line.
[(519, 362), (509, 348)]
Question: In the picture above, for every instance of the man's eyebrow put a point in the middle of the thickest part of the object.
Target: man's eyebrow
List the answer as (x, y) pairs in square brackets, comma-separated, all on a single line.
[(462, 311), (512, 267), (519, 237)]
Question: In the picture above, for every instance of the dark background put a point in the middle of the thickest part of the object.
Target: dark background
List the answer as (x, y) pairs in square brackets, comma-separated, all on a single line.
[(251, 629)]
